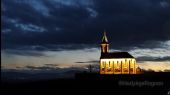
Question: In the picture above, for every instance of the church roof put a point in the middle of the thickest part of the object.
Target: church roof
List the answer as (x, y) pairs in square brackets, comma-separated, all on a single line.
[(116, 55)]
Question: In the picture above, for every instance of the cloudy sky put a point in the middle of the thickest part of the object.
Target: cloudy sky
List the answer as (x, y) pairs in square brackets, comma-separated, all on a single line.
[(68, 33)]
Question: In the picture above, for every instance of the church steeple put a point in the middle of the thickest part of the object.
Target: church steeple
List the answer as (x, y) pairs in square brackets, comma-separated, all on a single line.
[(104, 39), (104, 44)]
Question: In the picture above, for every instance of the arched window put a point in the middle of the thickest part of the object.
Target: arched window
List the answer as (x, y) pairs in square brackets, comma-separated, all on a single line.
[(117, 64), (103, 64)]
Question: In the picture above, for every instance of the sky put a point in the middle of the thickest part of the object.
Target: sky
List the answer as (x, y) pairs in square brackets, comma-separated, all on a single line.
[(67, 33)]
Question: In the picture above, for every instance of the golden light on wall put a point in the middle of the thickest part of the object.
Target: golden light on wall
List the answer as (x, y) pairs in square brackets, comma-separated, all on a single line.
[(118, 66)]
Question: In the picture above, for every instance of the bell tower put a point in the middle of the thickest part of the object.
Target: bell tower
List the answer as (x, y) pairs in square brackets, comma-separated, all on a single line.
[(104, 44)]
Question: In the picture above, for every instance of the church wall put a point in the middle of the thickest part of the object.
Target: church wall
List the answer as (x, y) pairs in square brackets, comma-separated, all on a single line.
[(118, 66)]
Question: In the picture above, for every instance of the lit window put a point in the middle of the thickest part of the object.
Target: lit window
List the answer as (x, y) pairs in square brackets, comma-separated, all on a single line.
[(103, 64)]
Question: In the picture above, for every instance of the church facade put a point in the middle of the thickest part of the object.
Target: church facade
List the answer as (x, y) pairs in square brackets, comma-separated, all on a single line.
[(116, 62)]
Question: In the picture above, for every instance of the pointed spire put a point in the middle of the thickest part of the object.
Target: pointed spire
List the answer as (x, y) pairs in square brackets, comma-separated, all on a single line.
[(104, 39)]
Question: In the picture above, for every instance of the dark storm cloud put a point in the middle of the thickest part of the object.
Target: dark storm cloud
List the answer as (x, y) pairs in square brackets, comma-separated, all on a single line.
[(46, 47), (42, 68), (146, 58), (52, 65), (91, 61), (49, 23), (23, 53)]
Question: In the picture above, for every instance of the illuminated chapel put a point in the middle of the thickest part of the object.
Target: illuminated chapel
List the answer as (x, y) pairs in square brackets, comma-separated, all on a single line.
[(116, 62)]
